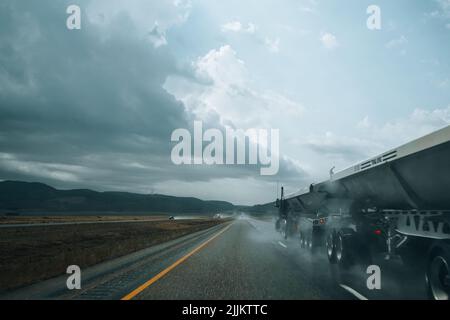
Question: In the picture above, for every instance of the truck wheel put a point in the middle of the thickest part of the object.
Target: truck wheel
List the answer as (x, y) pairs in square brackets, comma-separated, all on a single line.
[(310, 244), (343, 247), (284, 229), (331, 248), (277, 225), (302, 240), (438, 274)]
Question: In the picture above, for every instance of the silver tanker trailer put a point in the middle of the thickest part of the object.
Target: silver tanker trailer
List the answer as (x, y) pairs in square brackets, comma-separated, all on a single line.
[(396, 204)]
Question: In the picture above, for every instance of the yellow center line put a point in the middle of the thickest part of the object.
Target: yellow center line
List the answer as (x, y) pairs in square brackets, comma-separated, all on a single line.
[(147, 284)]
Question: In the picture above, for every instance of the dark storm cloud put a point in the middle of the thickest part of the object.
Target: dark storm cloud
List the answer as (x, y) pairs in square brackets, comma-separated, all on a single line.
[(81, 97), (86, 108)]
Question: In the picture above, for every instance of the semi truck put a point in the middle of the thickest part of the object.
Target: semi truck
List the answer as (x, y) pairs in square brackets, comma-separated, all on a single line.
[(396, 205)]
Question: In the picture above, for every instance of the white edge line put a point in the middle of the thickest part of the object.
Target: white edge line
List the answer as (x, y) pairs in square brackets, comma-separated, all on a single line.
[(282, 244), (353, 292)]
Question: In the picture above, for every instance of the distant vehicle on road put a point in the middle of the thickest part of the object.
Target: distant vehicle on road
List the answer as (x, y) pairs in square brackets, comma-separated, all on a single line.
[(217, 216), (171, 218)]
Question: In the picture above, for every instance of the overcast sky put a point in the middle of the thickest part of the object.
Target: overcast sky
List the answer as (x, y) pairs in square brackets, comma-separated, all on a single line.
[(95, 108)]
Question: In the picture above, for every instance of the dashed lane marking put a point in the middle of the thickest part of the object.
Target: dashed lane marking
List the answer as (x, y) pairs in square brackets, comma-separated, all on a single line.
[(353, 292), (282, 244)]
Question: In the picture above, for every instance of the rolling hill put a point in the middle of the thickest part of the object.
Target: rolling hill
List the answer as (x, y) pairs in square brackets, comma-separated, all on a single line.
[(18, 197)]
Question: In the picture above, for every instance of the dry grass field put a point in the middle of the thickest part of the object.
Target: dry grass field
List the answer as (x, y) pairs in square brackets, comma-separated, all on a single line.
[(32, 254)]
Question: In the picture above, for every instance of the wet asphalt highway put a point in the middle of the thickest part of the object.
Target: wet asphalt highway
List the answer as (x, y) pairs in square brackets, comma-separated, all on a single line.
[(245, 259), (245, 262)]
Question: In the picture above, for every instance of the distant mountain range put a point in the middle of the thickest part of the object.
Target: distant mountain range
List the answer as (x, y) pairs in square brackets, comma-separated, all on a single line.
[(24, 197)]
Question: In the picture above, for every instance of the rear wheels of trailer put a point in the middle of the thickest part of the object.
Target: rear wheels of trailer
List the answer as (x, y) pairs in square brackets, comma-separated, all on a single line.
[(311, 239), (339, 247), (302, 237), (438, 271), (282, 226), (426, 259), (345, 248)]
